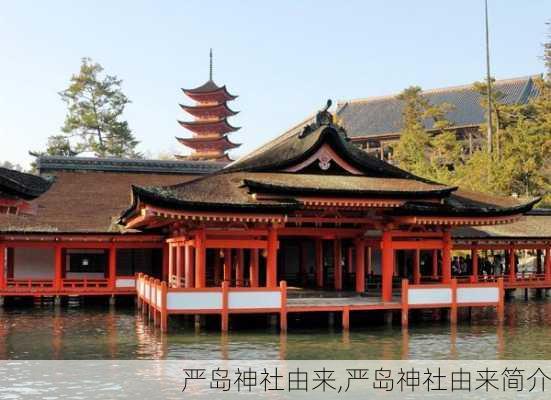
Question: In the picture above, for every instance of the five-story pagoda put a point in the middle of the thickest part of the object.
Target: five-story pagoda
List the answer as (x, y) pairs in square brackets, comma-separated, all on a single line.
[(210, 128)]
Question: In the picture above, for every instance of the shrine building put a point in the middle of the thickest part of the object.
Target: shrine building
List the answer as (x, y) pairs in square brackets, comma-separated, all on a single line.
[(308, 222)]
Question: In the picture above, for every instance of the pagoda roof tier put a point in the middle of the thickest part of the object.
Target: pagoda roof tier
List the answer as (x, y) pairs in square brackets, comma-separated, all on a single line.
[(198, 143), (209, 90), (221, 126), (216, 110)]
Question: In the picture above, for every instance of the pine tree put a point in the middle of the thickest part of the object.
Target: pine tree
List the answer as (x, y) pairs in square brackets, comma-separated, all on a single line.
[(93, 123)]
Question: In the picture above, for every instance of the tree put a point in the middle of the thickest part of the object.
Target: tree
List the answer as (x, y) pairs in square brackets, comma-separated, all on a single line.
[(9, 165), (95, 105), (410, 151), (432, 157)]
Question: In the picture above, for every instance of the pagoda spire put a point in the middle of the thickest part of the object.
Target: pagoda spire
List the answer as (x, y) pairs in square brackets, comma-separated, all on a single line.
[(210, 65), (209, 128)]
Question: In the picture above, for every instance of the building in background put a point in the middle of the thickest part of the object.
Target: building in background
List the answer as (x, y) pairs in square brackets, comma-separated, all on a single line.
[(374, 123)]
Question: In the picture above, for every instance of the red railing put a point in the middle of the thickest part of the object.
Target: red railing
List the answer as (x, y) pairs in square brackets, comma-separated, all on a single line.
[(24, 285), (80, 284)]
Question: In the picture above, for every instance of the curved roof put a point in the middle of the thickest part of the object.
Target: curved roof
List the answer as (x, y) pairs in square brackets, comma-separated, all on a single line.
[(208, 88), (209, 109), (201, 142), (196, 126), (268, 179), (22, 185), (300, 145)]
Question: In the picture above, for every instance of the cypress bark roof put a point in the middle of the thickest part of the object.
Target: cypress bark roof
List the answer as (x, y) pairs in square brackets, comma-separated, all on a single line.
[(273, 169), (22, 185)]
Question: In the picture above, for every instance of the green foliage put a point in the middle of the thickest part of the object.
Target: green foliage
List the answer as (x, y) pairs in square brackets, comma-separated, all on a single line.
[(95, 106), (431, 157)]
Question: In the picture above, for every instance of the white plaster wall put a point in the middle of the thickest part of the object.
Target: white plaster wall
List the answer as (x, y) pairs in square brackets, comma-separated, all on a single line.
[(430, 296), (254, 300), (33, 263), (478, 295), (194, 301)]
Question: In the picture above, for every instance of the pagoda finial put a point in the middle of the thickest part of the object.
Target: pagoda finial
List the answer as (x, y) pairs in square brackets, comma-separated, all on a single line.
[(210, 65)]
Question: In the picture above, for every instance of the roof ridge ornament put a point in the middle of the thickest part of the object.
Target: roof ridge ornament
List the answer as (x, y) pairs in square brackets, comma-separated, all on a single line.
[(323, 118)]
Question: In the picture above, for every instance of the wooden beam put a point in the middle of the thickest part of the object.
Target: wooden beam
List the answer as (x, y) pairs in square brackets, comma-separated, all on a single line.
[(200, 260), (228, 265), (236, 244), (416, 267), (271, 258), (417, 244), (387, 254), (189, 257), (58, 265), (319, 262), (2, 266), (446, 257), (239, 268), (112, 267), (360, 265), (253, 267), (337, 264)]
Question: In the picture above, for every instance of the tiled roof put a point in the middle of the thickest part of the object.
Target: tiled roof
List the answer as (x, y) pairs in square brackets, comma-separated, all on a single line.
[(383, 115), (265, 172), (48, 164), (84, 201), (298, 144), (533, 225), (19, 184)]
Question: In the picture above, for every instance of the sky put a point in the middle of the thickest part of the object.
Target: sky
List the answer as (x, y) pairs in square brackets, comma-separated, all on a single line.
[(283, 58)]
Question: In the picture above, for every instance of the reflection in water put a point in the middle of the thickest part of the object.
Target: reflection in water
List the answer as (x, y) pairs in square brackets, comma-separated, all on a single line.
[(74, 332)]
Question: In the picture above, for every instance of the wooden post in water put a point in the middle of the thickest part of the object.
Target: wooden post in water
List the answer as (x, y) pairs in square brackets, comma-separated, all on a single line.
[(283, 311), (405, 303)]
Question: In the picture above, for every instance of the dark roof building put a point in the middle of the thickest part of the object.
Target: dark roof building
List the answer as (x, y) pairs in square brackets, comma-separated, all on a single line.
[(86, 195), (381, 116), (313, 165)]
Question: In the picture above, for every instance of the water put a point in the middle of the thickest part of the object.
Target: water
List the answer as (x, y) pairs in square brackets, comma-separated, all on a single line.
[(100, 332)]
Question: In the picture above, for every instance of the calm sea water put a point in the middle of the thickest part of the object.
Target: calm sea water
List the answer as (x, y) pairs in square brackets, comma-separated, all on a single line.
[(103, 332)]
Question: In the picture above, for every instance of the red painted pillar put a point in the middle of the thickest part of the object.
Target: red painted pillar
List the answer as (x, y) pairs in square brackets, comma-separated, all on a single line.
[(368, 260), (58, 265), (360, 266), (387, 267), (435, 263), (227, 266), (319, 262), (337, 263), (512, 266), (200, 259), (189, 259), (166, 266), (547, 264), (271, 258), (446, 257), (112, 267), (253, 268), (180, 267), (240, 269), (2, 266), (171, 262), (474, 260), (416, 267)]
